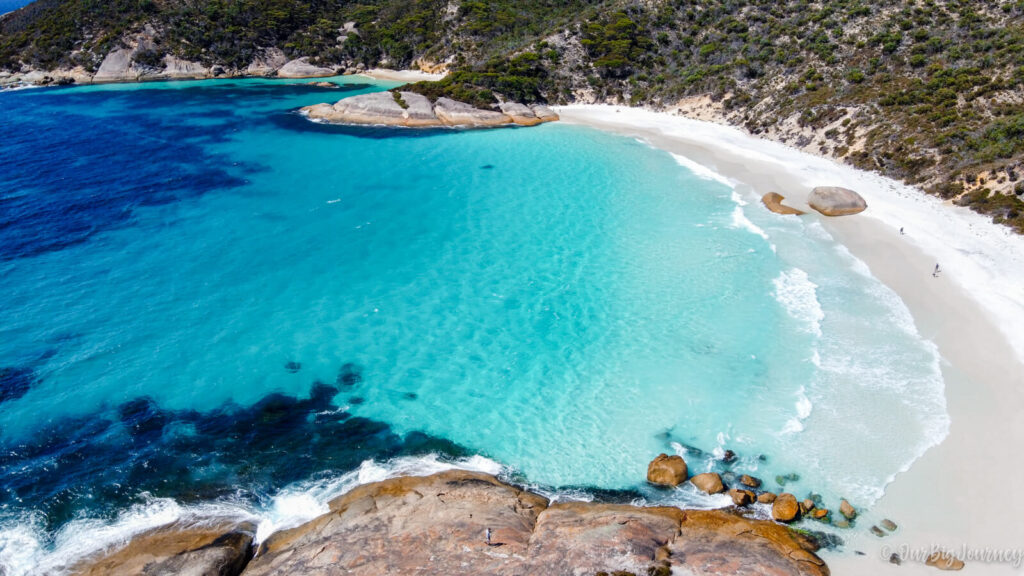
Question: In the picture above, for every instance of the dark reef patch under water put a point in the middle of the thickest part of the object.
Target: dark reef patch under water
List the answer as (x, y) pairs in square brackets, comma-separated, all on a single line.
[(102, 463)]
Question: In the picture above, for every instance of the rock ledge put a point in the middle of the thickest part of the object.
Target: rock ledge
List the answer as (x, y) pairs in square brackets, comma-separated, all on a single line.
[(468, 523)]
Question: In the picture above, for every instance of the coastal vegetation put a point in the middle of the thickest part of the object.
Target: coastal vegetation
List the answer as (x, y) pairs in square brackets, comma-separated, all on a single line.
[(927, 91)]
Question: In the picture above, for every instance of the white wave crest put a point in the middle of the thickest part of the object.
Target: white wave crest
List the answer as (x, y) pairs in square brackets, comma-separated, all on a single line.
[(798, 295), (26, 549), (703, 172)]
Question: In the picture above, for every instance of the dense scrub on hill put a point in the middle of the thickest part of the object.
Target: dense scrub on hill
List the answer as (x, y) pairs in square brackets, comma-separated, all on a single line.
[(929, 91)]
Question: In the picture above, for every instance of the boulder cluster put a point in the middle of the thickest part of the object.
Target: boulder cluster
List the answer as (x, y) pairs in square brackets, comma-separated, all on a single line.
[(413, 110), (745, 490)]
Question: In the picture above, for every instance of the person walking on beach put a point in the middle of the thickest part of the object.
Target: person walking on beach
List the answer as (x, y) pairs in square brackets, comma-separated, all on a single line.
[(901, 230), (936, 272)]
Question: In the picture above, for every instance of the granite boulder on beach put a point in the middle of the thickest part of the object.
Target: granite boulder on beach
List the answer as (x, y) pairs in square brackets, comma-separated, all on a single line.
[(836, 201)]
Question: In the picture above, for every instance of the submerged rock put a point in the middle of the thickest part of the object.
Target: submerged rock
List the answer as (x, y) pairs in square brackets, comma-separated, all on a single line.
[(439, 524), (750, 481), (836, 201), (212, 547), (773, 202), (667, 470), (15, 382), (888, 525)]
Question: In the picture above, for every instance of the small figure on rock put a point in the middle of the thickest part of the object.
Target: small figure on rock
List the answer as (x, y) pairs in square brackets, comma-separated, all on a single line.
[(487, 536)]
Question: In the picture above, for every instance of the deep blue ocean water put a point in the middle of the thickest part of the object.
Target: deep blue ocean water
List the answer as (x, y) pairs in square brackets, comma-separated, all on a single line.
[(206, 300)]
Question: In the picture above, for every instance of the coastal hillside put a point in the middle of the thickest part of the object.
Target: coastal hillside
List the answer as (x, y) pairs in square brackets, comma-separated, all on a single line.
[(930, 92)]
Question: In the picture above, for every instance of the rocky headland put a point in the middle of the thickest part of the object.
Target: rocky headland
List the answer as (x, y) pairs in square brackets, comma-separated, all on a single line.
[(460, 522), (413, 110)]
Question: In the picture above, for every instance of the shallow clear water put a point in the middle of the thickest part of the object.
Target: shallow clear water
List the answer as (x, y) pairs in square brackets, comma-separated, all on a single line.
[(182, 262)]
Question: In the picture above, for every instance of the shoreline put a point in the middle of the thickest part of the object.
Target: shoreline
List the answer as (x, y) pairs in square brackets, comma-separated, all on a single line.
[(936, 501)]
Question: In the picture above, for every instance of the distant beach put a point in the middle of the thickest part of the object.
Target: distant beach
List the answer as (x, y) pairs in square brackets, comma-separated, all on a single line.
[(972, 311)]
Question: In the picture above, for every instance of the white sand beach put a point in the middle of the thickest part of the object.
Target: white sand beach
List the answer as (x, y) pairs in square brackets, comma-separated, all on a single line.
[(402, 75), (960, 495)]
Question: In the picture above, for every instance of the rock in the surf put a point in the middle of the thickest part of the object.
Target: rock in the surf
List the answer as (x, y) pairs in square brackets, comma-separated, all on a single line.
[(766, 497), (741, 497), (785, 508), (667, 470), (836, 201), (708, 482), (201, 547), (847, 510)]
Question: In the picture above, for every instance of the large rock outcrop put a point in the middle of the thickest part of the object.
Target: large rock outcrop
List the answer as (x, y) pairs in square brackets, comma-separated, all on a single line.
[(439, 525), (455, 113), (836, 201), (413, 110), (179, 549), (266, 62), (302, 68), (461, 523)]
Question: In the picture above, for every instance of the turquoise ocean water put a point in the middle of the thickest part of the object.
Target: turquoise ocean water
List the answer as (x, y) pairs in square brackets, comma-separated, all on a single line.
[(201, 289)]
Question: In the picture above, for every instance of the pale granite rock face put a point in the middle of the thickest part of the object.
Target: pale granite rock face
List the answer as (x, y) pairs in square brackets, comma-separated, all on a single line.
[(419, 111), (454, 113), (377, 108), (176, 68), (199, 549), (115, 67), (836, 201), (520, 113), (301, 68), (544, 113), (266, 62)]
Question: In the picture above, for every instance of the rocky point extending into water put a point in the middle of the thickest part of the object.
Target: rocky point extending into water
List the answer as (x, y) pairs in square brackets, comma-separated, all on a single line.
[(460, 522), (412, 110)]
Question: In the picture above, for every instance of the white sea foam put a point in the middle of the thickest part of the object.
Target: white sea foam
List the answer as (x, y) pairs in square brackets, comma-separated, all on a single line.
[(798, 295), (25, 548), (702, 171), (740, 220)]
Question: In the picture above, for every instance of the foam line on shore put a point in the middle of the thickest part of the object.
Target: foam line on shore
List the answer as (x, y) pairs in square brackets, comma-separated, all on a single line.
[(984, 259)]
